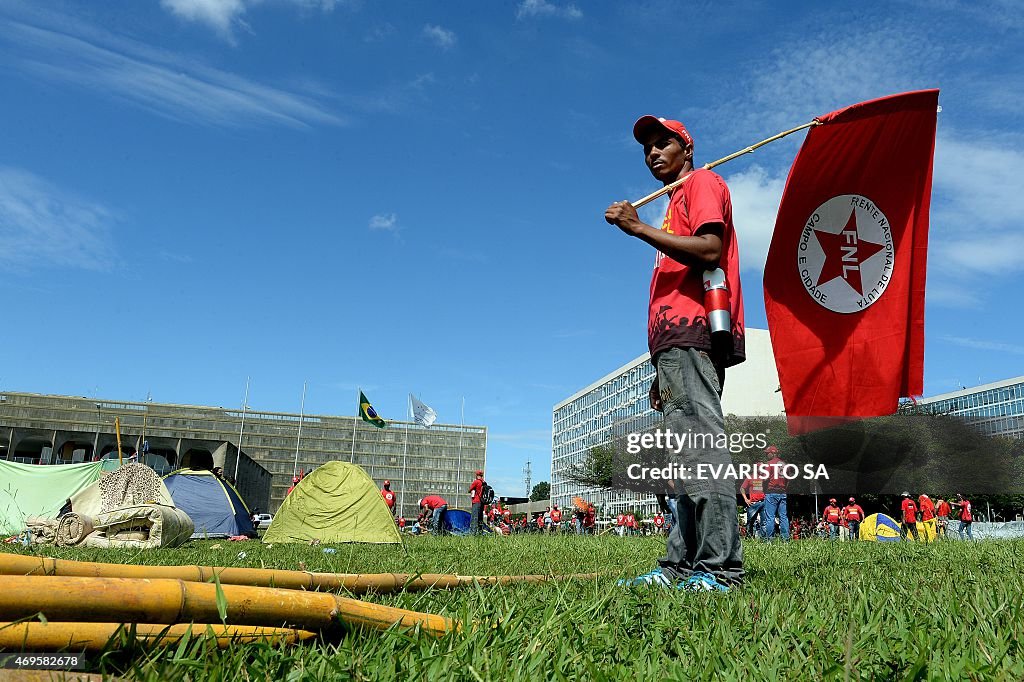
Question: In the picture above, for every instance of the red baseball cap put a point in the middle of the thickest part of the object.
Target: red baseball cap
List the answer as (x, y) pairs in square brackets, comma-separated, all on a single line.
[(644, 124), (387, 482), (479, 473), (771, 450)]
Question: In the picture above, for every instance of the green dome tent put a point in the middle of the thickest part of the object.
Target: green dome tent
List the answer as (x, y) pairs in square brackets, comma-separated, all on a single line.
[(337, 502)]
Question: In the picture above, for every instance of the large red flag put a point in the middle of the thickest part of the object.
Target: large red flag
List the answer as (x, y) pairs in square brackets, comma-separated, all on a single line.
[(845, 275)]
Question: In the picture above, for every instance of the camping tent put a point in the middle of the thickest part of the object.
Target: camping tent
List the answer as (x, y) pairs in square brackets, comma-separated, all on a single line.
[(880, 528), (336, 502), (212, 503), (39, 490)]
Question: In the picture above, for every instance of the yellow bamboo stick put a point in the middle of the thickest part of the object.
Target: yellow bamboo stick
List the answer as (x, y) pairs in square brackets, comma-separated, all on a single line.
[(54, 636), (168, 601), (356, 583)]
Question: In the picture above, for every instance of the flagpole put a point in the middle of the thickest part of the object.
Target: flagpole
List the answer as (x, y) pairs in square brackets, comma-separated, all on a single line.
[(302, 413), (462, 427), (245, 405), (352, 457), (405, 452), (708, 166)]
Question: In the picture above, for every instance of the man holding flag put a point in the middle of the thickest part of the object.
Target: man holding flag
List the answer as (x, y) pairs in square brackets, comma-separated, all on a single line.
[(696, 235)]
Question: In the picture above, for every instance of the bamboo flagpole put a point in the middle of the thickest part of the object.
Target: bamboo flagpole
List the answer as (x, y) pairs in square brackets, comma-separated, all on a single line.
[(708, 166)]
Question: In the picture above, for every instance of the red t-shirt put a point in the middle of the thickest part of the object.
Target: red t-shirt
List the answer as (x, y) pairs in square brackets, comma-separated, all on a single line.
[(754, 487), (434, 501), (476, 487), (620, 520), (832, 513), (556, 516), (676, 315), (659, 520), (631, 521), (965, 510), (927, 507), (401, 522), (507, 515), (540, 521), (909, 511), (944, 508), (389, 498), (777, 483), (854, 512)]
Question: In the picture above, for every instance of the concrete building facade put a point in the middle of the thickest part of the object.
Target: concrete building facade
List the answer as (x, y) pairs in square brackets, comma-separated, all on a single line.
[(45, 429), (618, 403), (996, 409)]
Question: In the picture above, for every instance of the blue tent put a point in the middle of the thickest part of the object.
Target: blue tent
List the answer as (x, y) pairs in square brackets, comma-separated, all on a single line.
[(212, 503)]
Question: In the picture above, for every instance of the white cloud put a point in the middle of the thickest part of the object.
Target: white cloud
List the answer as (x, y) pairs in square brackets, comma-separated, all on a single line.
[(542, 8), (981, 344), (43, 224), (182, 89), (756, 195), (384, 221), (220, 15), (441, 37), (224, 15)]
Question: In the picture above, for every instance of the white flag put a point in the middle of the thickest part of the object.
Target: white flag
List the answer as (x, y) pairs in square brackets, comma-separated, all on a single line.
[(423, 414)]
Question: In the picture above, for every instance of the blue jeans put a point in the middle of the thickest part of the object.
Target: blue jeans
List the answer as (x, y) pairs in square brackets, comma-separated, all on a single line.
[(435, 523), (705, 537), (854, 529), (775, 503), (755, 519), (476, 518), (965, 525), (833, 531)]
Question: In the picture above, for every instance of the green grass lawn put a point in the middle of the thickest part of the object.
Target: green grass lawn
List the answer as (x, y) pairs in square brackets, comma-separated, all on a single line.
[(810, 610)]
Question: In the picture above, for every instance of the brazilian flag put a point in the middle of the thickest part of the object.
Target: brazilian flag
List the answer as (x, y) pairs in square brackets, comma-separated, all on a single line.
[(369, 414)]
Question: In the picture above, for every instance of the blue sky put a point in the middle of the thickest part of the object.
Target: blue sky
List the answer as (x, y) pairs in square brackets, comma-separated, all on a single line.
[(408, 196)]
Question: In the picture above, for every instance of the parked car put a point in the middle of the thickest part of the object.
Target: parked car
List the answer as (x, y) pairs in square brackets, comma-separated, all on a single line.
[(263, 521)]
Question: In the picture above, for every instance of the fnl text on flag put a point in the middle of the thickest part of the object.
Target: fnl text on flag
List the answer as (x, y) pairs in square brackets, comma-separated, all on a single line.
[(422, 413), (369, 414), (844, 283)]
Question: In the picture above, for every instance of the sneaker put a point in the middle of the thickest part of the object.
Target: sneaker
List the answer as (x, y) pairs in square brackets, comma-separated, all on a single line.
[(655, 577), (704, 582)]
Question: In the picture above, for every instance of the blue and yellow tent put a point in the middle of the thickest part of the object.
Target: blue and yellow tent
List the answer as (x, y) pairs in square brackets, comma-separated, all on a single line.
[(212, 503), (880, 528)]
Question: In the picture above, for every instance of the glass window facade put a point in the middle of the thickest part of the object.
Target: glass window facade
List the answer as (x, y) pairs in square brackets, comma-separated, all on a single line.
[(995, 409)]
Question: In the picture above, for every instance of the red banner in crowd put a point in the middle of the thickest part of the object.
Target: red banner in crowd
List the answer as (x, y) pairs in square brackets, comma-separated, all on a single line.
[(845, 275)]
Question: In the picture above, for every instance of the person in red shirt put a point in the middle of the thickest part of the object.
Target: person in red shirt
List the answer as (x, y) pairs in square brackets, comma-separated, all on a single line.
[(927, 510), (589, 519), (966, 517), (696, 241), (620, 524), (540, 522), (476, 514), (854, 514), (556, 519), (832, 515), (752, 490), (389, 497), (942, 519), (909, 519), (659, 523), (775, 498), (401, 523), (630, 524), (436, 505), (506, 516)]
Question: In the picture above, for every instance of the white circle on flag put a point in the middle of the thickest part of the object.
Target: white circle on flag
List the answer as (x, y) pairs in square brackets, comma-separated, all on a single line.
[(845, 254)]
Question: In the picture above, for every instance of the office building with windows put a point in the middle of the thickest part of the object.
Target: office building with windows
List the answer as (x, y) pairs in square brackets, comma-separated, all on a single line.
[(996, 409), (618, 403)]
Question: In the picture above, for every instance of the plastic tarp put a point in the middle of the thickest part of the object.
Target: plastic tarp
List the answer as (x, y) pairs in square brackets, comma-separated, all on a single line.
[(39, 490), (984, 531), (213, 504), (336, 502), (456, 521), (880, 528)]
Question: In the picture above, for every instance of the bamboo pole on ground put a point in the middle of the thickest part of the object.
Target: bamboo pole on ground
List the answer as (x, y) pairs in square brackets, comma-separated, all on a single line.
[(170, 601), (54, 636), (356, 583)]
